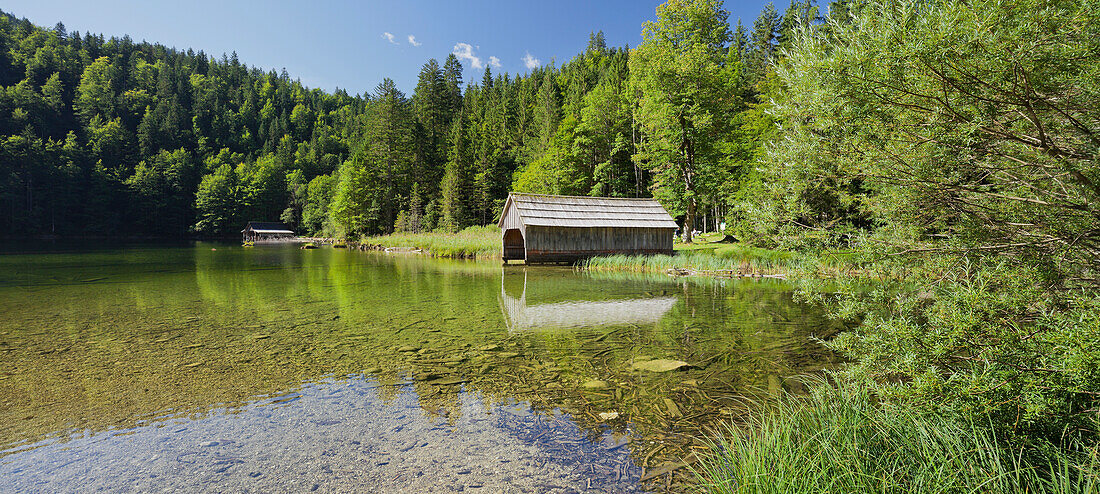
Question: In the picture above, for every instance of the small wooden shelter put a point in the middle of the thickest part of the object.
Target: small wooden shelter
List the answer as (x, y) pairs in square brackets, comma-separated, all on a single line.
[(260, 231), (542, 228)]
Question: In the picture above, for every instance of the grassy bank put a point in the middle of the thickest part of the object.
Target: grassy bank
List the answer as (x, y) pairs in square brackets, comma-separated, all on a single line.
[(720, 259), (711, 254), (840, 440), (481, 242)]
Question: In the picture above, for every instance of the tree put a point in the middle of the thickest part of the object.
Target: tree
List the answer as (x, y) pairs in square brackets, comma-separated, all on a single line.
[(263, 188), (452, 82), (679, 71), (762, 44), (547, 114), (217, 201), (315, 213), (431, 107), (95, 94), (160, 185), (965, 132), (355, 206), (297, 190), (389, 139), (456, 185)]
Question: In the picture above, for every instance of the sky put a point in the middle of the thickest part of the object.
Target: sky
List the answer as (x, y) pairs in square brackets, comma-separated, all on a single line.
[(355, 44)]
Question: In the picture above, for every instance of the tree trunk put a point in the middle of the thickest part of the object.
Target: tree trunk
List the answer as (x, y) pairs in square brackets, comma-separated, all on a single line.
[(689, 221), (689, 179)]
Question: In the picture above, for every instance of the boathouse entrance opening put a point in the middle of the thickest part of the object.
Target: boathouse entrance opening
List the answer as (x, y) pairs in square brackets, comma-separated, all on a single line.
[(513, 245)]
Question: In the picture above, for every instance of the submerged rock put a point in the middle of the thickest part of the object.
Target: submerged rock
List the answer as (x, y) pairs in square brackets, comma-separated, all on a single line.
[(660, 365), (596, 384)]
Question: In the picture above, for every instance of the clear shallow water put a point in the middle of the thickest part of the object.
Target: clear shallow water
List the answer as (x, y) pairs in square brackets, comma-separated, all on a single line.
[(215, 367), (336, 435)]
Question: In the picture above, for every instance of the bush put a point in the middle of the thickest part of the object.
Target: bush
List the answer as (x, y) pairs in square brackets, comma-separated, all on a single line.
[(982, 338)]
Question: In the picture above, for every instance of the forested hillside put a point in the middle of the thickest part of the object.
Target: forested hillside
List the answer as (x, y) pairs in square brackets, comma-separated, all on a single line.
[(111, 137)]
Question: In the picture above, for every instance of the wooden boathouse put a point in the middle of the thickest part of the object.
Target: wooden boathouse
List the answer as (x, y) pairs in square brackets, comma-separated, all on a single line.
[(260, 231), (545, 229)]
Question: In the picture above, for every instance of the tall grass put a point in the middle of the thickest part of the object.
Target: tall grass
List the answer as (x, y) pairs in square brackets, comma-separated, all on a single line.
[(838, 439), (737, 258), (472, 242), (726, 258)]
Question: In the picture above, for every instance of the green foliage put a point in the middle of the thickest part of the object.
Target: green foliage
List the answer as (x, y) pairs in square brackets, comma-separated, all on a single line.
[(355, 207), (681, 75), (573, 129), (217, 199), (315, 212), (973, 122), (95, 94), (984, 340), (159, 186), (952, 146), (115, 133)]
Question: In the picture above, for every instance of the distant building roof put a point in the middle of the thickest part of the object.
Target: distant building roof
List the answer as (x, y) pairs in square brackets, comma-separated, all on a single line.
[(588, 212), (267, 227)]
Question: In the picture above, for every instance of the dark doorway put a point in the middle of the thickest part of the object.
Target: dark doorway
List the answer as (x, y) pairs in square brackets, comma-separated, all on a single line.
[(513, 245)]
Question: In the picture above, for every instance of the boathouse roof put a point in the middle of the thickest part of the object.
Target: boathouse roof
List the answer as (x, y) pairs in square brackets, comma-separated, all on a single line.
[(266, 227), (587, 212)]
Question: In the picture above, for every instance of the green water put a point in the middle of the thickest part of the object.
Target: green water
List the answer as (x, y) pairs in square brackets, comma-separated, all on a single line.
[(102, 347)]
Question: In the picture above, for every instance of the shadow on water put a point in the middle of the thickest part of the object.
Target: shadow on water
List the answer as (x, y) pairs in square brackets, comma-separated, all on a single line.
[(552, 362)]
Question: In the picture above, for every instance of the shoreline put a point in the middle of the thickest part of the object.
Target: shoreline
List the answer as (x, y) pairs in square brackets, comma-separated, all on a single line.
[(704, 258)]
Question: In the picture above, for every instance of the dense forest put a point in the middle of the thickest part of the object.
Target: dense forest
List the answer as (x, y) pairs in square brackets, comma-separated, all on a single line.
[(111, 137)]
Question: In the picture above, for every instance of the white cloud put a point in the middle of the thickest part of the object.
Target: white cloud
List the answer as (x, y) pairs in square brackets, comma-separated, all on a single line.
[(390, 37), (466, 52), (531, 62), (413, 41), (494, 61)]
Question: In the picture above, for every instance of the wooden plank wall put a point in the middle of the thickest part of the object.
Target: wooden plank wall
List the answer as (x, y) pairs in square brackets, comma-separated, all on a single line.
[(551, 244), (511, 219)]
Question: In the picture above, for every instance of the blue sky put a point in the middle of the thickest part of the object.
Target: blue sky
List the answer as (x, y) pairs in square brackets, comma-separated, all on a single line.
[(354, 44)]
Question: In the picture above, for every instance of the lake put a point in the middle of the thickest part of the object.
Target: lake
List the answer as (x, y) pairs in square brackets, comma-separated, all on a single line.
[(218, 367)]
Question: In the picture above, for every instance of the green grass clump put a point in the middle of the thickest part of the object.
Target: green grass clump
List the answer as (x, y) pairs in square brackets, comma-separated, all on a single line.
[(714, 258), (472, 242), (839, 439)]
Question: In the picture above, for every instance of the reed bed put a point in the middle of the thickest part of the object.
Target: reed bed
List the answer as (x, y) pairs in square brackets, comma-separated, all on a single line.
[(735, 258), (481, 242), (838, 439)]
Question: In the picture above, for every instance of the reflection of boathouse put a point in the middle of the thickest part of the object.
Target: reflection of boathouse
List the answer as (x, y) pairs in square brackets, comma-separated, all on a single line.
[(258, 231), (568, 307), (542, 228)]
